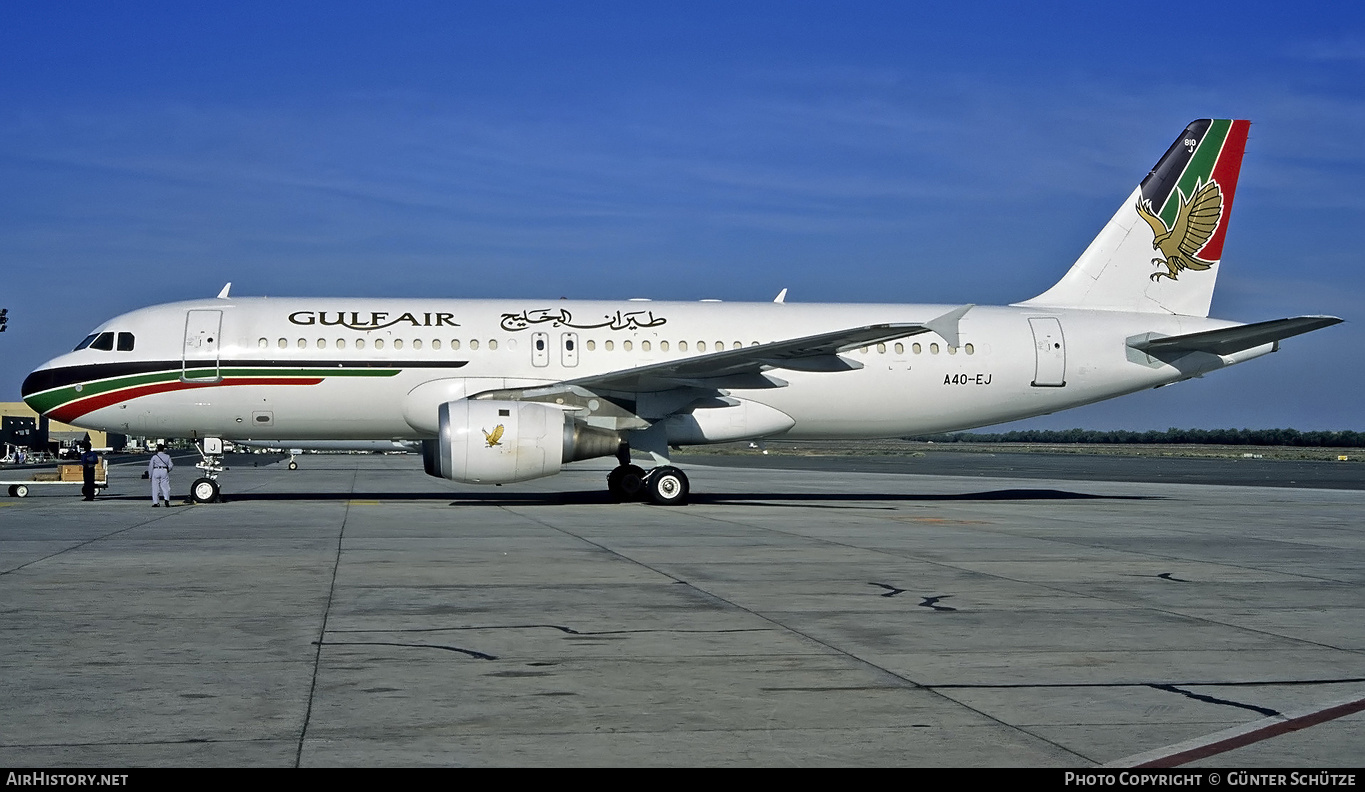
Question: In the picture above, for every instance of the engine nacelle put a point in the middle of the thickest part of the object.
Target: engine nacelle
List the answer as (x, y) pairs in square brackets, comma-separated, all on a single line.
[(500, 442)]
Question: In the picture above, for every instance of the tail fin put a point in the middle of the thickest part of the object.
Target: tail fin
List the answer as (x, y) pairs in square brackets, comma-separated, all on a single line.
[(1160, 251)]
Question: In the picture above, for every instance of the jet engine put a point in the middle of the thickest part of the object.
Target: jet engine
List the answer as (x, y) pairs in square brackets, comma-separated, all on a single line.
[(499, 442)]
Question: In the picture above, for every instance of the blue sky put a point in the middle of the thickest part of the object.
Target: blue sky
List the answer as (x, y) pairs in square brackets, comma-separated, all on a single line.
[(851, 151)]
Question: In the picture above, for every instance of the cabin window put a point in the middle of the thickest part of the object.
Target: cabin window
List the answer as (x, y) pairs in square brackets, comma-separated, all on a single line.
[(416, 343), (474, 344), (644, 346), (737, 345), (917, 348), (952, 350), (263, 343), (701, 346), (933, 349), (435, 343), (492, 343), (881, 349), (303, 343), (863, 350), (682, 346), (379, 343), (626, 345), (360, 343), (719, 346), (397, 343), (322, 343), (283, 343), (454, 343), (540, 345), (663, 346), (900, 348), (592, 345), (969, 349), (87, 342), (609, 345), (341, 343)]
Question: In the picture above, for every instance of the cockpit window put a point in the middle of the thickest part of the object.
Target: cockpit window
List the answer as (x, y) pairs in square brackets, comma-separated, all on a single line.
[(86, 342), (104, 341), (125, 342)]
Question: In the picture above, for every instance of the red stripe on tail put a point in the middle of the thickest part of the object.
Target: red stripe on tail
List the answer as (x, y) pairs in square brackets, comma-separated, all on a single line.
[(1225, 172)]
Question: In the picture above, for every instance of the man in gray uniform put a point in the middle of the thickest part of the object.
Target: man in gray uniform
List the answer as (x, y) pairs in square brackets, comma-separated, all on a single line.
[(160, 470)]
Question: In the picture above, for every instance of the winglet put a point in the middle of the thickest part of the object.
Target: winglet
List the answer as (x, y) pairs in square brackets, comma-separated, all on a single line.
[(781, 296), (223, 295), (946, 325)]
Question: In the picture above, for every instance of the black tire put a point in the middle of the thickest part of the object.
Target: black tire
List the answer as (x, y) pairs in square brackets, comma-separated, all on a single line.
[(293, 466), (668, 486), (626, 482), (18, 491), (204, 490)]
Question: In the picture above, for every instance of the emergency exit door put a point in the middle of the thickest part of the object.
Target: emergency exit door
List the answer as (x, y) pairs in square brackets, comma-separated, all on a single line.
[(202, 342), (1049, 352)]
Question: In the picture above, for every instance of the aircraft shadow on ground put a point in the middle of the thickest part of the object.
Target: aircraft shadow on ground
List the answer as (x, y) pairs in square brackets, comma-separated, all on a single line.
[(789, 499)]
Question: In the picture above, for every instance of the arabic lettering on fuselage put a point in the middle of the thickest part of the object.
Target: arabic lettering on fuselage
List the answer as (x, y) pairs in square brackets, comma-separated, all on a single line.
[(561, 317)]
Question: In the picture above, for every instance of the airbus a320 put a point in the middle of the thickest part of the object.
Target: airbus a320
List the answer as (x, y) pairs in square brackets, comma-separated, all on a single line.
[(501, 391)]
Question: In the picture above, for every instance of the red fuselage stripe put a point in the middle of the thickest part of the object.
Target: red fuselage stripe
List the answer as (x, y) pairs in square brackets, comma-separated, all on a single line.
[(69, 412)]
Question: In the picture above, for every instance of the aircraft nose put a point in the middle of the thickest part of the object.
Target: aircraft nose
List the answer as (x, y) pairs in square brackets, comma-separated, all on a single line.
[(35, 383)]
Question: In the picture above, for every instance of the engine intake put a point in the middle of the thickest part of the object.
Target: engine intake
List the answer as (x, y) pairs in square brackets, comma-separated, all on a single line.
[(500, 442)]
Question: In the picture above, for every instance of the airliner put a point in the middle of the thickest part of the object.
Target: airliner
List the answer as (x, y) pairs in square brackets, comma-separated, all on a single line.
[(508, 390)]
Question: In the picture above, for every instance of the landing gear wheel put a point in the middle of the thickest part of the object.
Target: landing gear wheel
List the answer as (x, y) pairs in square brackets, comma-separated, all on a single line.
[(626, 482), (668, 486), (293, 466), (18, 491), (204, 490)]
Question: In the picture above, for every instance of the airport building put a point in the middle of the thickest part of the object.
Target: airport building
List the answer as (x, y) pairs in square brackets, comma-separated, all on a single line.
[(21, 427)]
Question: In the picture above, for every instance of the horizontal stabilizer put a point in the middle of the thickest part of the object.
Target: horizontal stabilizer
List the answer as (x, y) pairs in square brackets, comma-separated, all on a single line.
[(1230, 340)]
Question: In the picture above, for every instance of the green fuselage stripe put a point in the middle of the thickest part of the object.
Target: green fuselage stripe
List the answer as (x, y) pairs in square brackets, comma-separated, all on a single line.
[(44, 402)]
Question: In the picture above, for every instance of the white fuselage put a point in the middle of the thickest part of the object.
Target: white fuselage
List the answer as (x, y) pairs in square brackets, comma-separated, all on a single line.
[(331, 368)]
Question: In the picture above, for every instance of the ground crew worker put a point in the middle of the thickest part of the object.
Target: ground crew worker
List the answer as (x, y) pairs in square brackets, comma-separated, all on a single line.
[(160, 470), (89, 461)]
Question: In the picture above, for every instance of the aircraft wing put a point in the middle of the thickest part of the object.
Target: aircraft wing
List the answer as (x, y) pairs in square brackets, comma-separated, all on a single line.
[(676, 385), (745, 367), (1230, 340)]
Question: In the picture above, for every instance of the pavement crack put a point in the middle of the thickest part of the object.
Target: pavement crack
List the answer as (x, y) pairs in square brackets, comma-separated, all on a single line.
[(456, 649), (1266, 711)]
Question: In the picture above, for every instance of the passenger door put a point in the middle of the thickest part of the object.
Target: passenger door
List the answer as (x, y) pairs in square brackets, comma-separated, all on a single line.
[(202, 341)]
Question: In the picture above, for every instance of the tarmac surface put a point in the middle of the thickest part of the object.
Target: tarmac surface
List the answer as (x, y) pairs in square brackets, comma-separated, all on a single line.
[(356, 612)]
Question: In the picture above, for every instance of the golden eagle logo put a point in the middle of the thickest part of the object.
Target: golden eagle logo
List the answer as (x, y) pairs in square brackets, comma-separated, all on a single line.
[(1196, 221), (493, 437)]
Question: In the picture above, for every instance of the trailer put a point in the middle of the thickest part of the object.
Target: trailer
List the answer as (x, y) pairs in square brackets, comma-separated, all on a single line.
[(66, 475)]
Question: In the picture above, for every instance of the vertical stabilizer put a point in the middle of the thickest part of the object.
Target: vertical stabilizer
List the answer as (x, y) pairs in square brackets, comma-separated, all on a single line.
[(1160, 251)]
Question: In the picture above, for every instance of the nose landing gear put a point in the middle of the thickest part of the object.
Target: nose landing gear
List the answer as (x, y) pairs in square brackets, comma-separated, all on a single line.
[(205, 488)]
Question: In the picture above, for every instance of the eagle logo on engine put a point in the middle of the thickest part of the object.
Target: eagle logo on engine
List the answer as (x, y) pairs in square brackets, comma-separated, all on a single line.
[(493, 438)]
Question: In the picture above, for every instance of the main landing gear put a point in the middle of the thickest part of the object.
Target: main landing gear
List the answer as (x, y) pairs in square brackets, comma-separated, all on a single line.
[(664, 485), (205, 488)]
